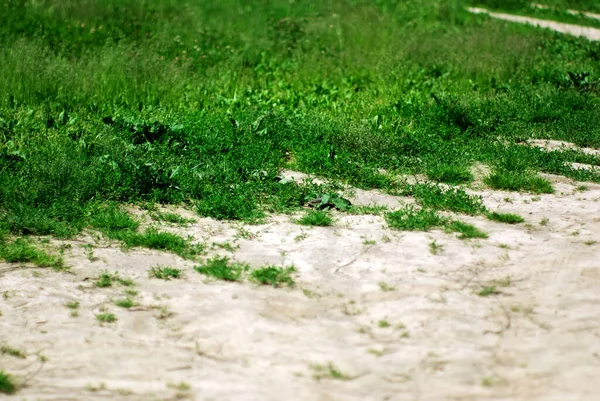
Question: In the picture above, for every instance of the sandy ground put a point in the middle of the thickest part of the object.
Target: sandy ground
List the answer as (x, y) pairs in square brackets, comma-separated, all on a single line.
[(569, 29), (394, 320)]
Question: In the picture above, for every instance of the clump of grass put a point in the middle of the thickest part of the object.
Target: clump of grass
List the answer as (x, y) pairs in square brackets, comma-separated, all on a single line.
[(106, 280), (172, 218), (72, 305), (111, 219), (452, 199), (383, 324), (410, 219), (125, 303), (316, 218), (465, 230), (7, 383), (154, 239), (435, 248), (450, 174), (106, 318), (22, 251), (221, 269), (328, 371), (519, 181), (507, 218), (487, 291), (164, 273), (274, 275), (385, 287), (16, 353)]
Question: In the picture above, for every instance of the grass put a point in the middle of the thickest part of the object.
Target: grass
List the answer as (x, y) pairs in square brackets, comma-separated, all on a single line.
[(72, 305), (22, 251), (519, 181), (173, 218), (410, 219), (107, 280), (196, 104), (274, 275), (165, 273), (221, 269), (315, 218), (7, 383), (125, 303), (487, 291), (106, 318), (16, 353), (328, 371), (507, 218), (465, 231)]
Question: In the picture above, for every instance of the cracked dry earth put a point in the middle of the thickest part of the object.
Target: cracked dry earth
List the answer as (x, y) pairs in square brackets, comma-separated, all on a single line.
[(375, 315)]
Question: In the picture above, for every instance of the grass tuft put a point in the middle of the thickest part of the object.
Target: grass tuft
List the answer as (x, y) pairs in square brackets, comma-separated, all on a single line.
[(410, 219), (221, 269), (22, 251), (106, 318), (274, 275), (315, 218), (519, 181), (165, 273), (465, 230), (7, 383), (507, 218)]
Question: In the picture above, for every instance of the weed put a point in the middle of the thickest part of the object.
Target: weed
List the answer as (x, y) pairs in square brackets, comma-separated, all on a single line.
[(6, 350), (466, 231), (182, 386), (450, 174), (72, 305), (22, 251), (505, 218), (544, 221), (590, 242), (375, 210), (7, 383), (383, 324), (329, 371), (227, 246), (315, 218), (125, 303), (106, 318), (106, 280), (410, 219), (164, 273), (487, 291), (368, 242), (172, 218), (131, 293), (435, 248), (221, 269), (274, 275), (453, 199), (385, 287), (519, 181)]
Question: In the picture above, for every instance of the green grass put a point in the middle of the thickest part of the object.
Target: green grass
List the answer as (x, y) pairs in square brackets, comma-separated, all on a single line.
[(453, 199), (7, 383), (172, 218), (465, 231), (165, 273), (315, 218), (16, 353), (106, 318), (274, 275), (23, 251), (487, 291), (519, 181), (202, 104), (107, 280), (410, 219), (221, 269), (507, 218), (125, 303)]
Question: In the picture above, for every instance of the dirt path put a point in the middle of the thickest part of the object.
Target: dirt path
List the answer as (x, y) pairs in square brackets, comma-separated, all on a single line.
[(376, 314), (569, 29)]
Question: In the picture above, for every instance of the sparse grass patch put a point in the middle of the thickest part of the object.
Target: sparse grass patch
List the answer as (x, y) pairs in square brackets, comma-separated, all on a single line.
[(385, 287), (154, 239), (221, 269), (315, 218), (106, 318), (450, 174), (7, 383), (487, 291), (328, 371), (519, 181), (106, 280), (72, 305), (452, 199), (274, 275), (507, 218), (435, 248), (125, 303), (22, 251), (465, 230), (165, 273), (383, 324), (16, 353), (410, 219), (173, 218)]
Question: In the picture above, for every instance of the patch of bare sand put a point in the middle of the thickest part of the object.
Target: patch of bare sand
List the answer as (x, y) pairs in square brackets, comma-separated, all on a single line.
[(396, 321), (569, 29)]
